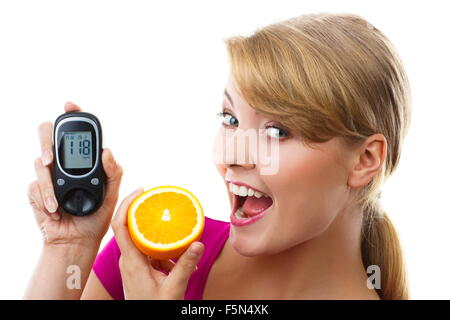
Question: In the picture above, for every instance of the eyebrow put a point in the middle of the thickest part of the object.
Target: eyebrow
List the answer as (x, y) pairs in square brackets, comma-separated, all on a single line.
[(228, 96)]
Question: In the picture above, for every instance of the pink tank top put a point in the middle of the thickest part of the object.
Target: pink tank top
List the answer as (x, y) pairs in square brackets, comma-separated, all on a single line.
[(215, 233)]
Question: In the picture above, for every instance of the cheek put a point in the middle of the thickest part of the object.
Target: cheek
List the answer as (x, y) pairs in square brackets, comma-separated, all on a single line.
[(308, 191), (218, 153), (221, 168), (304, 171)]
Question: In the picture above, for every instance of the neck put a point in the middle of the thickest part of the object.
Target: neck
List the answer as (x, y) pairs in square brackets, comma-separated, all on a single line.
[(328, 266)]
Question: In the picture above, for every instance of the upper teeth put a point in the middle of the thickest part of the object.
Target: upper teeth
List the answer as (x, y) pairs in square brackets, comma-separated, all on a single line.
[(244, 191)]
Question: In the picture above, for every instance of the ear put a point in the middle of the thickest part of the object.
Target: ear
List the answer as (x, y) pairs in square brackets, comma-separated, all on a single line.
[(368, 160)]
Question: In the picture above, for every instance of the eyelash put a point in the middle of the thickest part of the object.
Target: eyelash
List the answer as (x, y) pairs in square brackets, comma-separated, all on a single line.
[(223, 114)]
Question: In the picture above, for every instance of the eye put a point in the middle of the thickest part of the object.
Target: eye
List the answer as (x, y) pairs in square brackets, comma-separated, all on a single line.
[(228, 119), (276, 132)]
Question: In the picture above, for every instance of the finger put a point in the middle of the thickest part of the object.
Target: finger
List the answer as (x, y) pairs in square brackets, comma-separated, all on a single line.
[(45, 138), (120, 225), (164, 265), (71, 107), (167, 265), (46, 186), (34, 196), (157, 271), (35, 200), (114, 173), (184, 267)]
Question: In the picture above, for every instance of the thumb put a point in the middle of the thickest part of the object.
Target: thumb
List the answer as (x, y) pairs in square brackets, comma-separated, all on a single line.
[(186, 264), (114, 173)]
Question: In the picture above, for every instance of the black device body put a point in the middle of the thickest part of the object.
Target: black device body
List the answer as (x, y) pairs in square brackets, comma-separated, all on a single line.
[(78, 175)]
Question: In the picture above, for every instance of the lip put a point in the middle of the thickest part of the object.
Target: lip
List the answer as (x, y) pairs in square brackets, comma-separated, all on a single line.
[(243, 222)]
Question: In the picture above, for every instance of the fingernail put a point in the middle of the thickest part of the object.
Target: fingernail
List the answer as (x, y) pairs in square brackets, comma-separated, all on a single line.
[(55, 216), (111, 155), (139, 190), (68, 103), (50, 203), (46, 157), (195, 250)]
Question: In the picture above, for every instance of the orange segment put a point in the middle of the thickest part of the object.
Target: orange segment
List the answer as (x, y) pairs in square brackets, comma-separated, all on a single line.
[(164, 221)]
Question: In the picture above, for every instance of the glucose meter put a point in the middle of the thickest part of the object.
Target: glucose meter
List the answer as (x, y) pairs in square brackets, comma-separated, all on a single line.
[(78, 175)]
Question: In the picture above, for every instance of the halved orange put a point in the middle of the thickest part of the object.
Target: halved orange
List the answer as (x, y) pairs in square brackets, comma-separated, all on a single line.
[(164, 221)]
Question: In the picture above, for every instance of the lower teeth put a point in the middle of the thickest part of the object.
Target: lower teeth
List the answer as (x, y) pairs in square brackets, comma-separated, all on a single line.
[(240, 215)]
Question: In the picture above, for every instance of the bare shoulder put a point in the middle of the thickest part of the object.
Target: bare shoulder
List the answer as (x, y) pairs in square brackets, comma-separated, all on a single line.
[(359, 294)]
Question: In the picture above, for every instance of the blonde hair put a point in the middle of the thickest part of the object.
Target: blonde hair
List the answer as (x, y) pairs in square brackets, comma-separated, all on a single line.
[(334, 75)]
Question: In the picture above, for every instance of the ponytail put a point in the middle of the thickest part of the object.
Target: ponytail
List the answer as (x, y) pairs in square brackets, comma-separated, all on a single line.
[(380, 246)]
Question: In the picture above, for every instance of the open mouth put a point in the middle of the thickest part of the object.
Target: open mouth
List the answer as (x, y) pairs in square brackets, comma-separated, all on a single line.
[(248, 202)]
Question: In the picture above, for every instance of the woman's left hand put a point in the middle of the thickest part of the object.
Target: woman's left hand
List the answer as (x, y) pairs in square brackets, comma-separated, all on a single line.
[(140, 277)]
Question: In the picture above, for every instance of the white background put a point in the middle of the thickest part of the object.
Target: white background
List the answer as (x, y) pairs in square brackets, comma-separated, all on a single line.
[(154, 73)]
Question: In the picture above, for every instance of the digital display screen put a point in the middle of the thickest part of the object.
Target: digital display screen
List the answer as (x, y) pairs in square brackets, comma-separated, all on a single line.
[(77, 150)]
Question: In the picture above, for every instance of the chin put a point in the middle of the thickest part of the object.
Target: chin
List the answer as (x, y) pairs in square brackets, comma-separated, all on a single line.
[(247, 247)]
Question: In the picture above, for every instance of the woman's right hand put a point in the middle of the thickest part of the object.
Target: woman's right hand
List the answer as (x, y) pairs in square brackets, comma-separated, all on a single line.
[(63, 228)]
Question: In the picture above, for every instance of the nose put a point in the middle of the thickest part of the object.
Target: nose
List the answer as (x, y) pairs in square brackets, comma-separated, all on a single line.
[(239, 154), (232, 149), (242, 165)]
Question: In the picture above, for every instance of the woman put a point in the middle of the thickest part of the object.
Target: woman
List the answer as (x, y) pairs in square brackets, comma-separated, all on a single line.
[(331, 92)]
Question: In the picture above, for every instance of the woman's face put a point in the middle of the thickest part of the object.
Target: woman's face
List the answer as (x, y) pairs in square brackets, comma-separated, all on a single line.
[(307, 190)]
